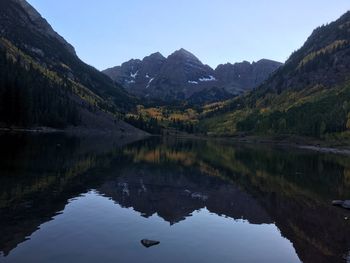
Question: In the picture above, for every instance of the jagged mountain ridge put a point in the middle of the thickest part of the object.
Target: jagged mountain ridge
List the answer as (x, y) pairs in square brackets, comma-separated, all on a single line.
[(137, 73), (240, 77), (182, 75)]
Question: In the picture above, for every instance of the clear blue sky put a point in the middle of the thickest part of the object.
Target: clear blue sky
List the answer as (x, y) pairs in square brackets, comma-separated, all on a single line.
[(106, 33)]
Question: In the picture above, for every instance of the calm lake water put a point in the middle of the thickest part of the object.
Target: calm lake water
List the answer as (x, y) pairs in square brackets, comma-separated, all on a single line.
[(70, 199)]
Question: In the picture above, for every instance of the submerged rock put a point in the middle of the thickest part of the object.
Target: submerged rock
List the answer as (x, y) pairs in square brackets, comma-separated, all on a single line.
[(337, 202), (149, 243), (344, 204)]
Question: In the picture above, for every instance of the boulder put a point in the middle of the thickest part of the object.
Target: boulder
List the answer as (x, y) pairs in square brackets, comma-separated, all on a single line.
[(337, 202), (344, 204), (149, 243)]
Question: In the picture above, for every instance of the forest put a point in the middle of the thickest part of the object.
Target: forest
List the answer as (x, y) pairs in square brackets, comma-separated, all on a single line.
[(29, 99)]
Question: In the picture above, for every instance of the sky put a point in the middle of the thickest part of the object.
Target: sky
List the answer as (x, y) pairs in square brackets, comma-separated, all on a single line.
[(106, 33)]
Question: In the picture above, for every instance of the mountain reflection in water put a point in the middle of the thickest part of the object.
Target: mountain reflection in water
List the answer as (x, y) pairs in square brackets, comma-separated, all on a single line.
[(62, 197)]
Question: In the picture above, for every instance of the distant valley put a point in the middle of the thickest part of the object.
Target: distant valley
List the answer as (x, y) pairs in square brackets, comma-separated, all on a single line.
[(43, 83)]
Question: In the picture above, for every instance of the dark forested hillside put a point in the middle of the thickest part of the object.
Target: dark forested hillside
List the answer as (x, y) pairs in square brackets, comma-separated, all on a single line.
[(44, 83), (27, 98), (309, 95)]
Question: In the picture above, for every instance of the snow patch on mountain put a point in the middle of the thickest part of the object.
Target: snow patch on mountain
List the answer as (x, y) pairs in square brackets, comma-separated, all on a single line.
[(134, 75), (210, 78), (130, 81), (149, 83)]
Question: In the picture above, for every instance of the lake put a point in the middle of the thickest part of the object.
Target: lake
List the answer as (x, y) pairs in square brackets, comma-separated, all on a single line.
[(93, 199)]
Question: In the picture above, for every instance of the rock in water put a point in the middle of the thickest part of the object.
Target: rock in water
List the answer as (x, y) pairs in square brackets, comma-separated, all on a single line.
[(337, 202), (149, 243), (344, 204)]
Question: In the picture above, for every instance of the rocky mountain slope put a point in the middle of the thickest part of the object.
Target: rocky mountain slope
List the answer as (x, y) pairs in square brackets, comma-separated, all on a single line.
[(240, 77), (309, 95), (44, 83), (182, 75)]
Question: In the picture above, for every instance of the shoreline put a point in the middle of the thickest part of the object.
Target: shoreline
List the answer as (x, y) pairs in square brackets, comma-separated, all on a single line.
[(31, 130), (69, 131), (303, 143)]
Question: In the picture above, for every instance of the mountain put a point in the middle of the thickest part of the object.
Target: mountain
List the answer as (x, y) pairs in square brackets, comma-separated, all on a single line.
[(44, 83), (323, 59), (137, 74), (182, 75), (308, 96), (240, 77)]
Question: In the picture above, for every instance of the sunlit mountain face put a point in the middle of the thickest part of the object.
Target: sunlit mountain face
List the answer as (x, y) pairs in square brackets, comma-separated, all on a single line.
[(89, 199)]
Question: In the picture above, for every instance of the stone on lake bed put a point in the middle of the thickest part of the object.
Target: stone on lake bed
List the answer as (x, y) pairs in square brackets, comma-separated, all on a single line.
[(344, 204), (337, 202), (149, 243)]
